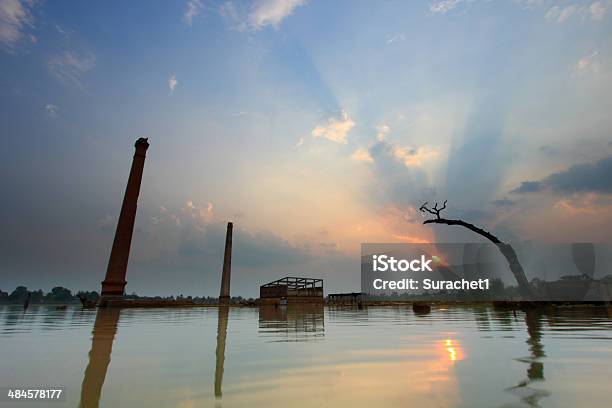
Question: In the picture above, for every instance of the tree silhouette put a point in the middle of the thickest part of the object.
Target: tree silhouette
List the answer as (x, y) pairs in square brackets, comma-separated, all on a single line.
[(506, 249), (19, 295)]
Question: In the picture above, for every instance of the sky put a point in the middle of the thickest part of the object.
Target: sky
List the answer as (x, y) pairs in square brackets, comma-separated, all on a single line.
[(314, 126)]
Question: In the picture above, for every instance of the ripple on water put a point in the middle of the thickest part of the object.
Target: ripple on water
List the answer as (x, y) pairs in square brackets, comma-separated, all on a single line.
[(317, 356)]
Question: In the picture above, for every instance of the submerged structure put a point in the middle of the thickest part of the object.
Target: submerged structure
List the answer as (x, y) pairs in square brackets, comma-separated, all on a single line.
[(114, 283), (345, 298), (224, 295), (292, 290)]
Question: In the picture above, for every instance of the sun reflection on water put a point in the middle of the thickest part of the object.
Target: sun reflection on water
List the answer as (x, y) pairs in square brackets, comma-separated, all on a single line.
[(455, 353)]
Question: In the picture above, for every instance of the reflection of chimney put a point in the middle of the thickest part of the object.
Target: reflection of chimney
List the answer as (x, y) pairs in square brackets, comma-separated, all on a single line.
[(220, 352), (114, 283), (104, 332), (224, 296)]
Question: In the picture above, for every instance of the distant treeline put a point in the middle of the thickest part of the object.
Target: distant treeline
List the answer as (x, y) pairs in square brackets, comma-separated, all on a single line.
[(63, 295)]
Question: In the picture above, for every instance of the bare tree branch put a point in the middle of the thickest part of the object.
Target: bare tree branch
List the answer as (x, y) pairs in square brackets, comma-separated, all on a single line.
[(467, 225), (435, 210), (506, 249)]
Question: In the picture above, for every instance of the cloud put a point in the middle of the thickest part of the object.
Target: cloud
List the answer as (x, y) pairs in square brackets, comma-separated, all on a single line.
[(62, 31), (272, 12), (382, 131), (362, 154), (503, 202), (595, 11), (300, 143), (172, 83), (201, 214), (442, 7), (335, 129), (414, 157), (589, 63), (15, 19), (530, 4), (51, 109), (194, 8), (261, 13), (195, 215), (588, 177), (70, 66), (558, 13), (191, 234), (230, 12), (529, 187), (598, 10), (589, 203), (561, 14), (395, 38), (264, 249), (409, 156), (579, 178), (396, 183)]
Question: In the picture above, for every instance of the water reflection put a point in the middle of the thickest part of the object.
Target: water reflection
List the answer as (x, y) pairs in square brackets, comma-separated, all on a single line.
[(314, 356), (363, 376), (455, 353), (12, 317), (105, 328), (292, 322), (533, 319), (223, 317), (54, 319), (528, 395)]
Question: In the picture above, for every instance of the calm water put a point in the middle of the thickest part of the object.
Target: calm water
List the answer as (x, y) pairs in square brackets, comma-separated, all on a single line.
[(316, 357)]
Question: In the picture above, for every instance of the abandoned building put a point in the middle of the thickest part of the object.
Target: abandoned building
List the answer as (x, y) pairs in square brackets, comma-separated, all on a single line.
[(292, 290)]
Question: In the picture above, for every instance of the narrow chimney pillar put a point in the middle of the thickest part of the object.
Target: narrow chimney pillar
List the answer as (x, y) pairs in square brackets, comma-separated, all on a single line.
[(224, 295), (114, 283)]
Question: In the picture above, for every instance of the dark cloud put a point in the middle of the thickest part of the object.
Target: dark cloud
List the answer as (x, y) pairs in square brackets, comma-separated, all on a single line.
[(172, 252), (503, 202), (580, 178), (263, 249), (592, 177), (529, 187)]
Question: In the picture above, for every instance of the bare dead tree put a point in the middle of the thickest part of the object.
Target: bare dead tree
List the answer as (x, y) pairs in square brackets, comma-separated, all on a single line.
[(435, 210), (506, 249)]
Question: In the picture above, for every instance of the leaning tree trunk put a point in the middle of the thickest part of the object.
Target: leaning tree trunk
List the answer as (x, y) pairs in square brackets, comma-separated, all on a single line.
[(507, 251)]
